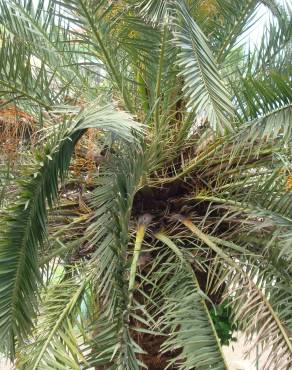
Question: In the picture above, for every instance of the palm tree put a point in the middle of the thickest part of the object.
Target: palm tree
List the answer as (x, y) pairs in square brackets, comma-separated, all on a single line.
[(152, 182)]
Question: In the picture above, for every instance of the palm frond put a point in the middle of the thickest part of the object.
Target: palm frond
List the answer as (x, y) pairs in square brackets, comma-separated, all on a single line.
[(273, 126), (186, 317), (272, 54), (25, 223), (94, 33), (259, 96), (154, 11), (238, 17), (277, 314), (125, 188), (54, 342), (264, 306), (25, 229), (20, 78), (203, 86), (37, 38), (114, 344)]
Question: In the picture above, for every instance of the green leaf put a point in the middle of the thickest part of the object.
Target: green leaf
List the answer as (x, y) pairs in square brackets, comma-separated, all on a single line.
[(25, 226), (54, 341), (187, 318), (203, 86)]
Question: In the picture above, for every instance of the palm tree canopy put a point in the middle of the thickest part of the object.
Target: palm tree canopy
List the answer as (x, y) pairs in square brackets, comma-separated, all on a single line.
[(145, 178)]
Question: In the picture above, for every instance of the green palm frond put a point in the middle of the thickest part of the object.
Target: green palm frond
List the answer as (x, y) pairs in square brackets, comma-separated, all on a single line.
[(54, 341), (155, 11), (125, 188), (187, 318), (25, 229), (94, 32), (101, 344), (113, 343), (238, 17), (274, 125), (261, 300), (25, 223), (42, 31), (260, 96), (273, 50), (264, 306), (276, 324), (203, 86), (20, 79)]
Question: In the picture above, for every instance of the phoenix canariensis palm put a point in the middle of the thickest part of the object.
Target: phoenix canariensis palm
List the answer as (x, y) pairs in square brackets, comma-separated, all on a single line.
[(154, 184)]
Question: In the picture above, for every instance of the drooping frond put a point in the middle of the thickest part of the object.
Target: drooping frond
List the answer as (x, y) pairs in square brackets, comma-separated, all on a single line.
[(25, 229), (125, 187), (112, 342), (25, 223), (186, 317), (258, 298), (263, 304)]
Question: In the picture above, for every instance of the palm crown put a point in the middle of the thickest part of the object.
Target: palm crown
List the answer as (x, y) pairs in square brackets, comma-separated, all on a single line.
[(154, 182)]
